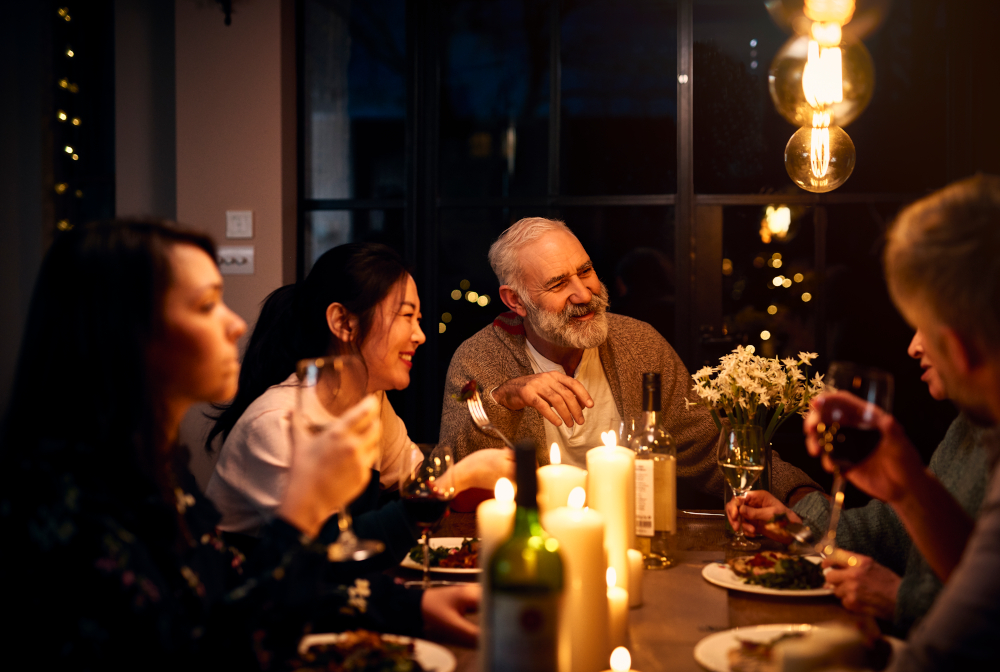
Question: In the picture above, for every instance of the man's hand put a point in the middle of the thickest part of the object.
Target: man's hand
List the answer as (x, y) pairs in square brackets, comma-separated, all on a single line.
[(865, 587), (558, 397), (756, 510)]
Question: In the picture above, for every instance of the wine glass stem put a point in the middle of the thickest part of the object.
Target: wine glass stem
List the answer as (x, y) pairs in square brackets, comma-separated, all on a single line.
[(829, 542), (740, 538), (427, 560)]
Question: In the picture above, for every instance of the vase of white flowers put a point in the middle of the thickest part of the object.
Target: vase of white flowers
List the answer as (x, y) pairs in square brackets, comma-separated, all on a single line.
[(753, 390)]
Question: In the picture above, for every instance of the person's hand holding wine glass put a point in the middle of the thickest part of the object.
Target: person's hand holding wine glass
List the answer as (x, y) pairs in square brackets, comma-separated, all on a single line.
[(741, 458), (426, 487)]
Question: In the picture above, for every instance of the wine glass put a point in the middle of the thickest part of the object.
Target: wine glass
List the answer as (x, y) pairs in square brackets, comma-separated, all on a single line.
[(847, 446), (741, 458), (327, 387), (426, 486)]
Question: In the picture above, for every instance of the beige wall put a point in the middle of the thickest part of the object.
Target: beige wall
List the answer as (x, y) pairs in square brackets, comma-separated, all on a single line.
[(236, 145)]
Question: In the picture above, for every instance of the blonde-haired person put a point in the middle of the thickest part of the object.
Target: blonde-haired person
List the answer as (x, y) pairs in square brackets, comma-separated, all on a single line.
[(942, 265)]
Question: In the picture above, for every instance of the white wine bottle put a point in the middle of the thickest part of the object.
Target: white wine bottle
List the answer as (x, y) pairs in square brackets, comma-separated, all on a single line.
[(525, 584), (655, 482)]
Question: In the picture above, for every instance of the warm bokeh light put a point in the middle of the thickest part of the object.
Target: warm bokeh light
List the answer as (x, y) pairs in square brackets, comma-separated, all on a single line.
[(772, 309), (807, 297), (777, 280), (786, 283), (765, 335), (777, 220), (442, 327), (471, 297), (798, 277), (484, 300), (61, 115), (727, 267), (465, 284), (456, 294), (446, 317)]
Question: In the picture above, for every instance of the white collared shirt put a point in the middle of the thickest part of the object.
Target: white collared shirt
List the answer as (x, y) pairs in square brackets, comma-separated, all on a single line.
[(575, 441)]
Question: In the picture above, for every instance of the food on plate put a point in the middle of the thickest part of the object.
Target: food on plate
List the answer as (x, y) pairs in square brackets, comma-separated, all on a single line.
[(359, 650), (776, 529), (468, 391), (465, 556), (781, 571), (820, 648)]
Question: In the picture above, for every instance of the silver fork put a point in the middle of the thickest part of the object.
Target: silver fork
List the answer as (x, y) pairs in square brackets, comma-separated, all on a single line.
[(482, 420)]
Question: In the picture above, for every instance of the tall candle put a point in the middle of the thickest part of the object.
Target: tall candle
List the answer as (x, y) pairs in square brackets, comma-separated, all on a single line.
[(617, 611), (556, 481), (494, 525), (584, 626), (635, 569), (611, 490)]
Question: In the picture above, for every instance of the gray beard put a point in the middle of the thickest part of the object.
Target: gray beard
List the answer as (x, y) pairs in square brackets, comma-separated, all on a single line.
[(560, 329)]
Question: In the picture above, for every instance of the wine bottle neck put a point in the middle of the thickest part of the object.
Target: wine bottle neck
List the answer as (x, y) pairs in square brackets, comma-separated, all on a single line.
[(527, 522), (649, 419)]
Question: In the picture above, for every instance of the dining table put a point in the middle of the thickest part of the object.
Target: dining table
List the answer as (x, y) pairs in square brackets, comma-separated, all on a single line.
[(679, 607)]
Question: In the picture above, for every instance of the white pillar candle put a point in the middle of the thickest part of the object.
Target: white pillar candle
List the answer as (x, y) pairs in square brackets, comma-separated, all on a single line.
[(494, 525), (556, 481), (635, 569), (584, 626), (617, 611), (621, 661), (611, 490)]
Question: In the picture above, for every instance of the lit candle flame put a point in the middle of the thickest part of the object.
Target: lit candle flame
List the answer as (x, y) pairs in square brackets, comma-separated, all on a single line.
[(504, 491), (554, 456), (621, 661), (609, 438), (577, 496), (611, 577)]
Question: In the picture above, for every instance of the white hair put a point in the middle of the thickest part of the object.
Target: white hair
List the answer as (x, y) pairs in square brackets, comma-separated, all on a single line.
[(503, 253)]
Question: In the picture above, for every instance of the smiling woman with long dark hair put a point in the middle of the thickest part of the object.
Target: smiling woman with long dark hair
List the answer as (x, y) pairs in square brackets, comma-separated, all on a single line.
[(110, 555)]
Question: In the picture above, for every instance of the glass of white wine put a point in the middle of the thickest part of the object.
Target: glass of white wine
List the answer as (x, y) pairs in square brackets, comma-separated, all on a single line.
[(741, 458)]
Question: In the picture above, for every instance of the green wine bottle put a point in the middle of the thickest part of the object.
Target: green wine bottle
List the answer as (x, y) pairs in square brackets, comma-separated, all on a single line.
[(526, 582)]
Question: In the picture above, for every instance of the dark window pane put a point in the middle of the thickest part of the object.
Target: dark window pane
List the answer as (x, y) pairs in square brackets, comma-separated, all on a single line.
[(739, 138), (325, 229), (619, 97), (769, 284), (354, 99), (494, 98)]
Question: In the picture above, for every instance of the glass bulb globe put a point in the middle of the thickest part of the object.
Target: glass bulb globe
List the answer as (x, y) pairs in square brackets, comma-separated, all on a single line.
[(784, 81), (868, 16), (820, 159)]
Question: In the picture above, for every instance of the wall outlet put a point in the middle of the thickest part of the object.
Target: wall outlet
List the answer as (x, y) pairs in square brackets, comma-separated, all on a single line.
[(239, 223), (236, 260)]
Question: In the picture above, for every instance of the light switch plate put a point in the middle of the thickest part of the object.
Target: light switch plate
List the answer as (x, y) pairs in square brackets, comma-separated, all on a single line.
[(239, 223), (236, 260)]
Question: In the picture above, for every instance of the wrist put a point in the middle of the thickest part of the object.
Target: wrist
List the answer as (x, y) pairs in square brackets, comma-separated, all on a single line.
[(795, 496)]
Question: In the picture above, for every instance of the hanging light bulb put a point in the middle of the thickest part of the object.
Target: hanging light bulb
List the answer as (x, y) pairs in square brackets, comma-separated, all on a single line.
[(820, 157), (866, 17), (804, 67)]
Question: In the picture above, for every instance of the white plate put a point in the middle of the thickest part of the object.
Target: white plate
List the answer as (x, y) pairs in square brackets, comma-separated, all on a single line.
[(721, 575), (437, 542), (432, 657), (712, 652)]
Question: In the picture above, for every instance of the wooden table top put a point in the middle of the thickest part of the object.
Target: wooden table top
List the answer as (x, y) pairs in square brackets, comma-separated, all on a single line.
[(679, 607)]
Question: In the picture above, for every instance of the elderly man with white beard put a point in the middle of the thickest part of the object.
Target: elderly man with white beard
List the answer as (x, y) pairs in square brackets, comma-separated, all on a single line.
[(558, 368)]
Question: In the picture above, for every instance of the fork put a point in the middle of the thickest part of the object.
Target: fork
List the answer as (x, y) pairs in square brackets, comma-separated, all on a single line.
[(482, 420)]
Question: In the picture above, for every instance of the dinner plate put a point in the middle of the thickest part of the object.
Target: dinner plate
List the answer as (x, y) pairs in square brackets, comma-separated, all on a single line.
[(712, 652), (437, 542), (720, 574), (432, 657)]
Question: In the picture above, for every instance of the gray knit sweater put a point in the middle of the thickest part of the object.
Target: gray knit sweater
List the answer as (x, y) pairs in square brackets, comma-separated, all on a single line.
[(961, 464), (497, 353)]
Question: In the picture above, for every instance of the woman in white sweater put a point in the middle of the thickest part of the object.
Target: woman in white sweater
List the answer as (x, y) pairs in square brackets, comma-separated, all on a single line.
[(358, 298)]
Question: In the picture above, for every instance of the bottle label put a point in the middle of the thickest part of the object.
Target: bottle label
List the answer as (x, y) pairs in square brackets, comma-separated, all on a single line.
[(644, 504), (525, 634), (665, 479)]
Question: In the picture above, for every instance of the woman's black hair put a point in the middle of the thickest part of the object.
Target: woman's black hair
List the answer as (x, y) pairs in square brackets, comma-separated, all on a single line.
[(81, 375), (292, 323)]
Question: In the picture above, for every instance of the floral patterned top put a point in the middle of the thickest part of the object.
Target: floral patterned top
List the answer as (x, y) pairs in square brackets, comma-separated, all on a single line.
[(102, 572)]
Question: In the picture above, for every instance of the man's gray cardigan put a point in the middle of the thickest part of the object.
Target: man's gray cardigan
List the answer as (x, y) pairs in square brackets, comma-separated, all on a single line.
[(497, 353)]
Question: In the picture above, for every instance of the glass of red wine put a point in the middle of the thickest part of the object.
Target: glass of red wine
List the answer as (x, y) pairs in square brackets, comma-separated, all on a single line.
[(849, 435), (328, 386), (426, 487)]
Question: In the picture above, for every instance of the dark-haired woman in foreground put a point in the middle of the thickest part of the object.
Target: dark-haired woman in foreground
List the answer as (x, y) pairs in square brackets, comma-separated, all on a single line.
[(110, 556), (358, 298)]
